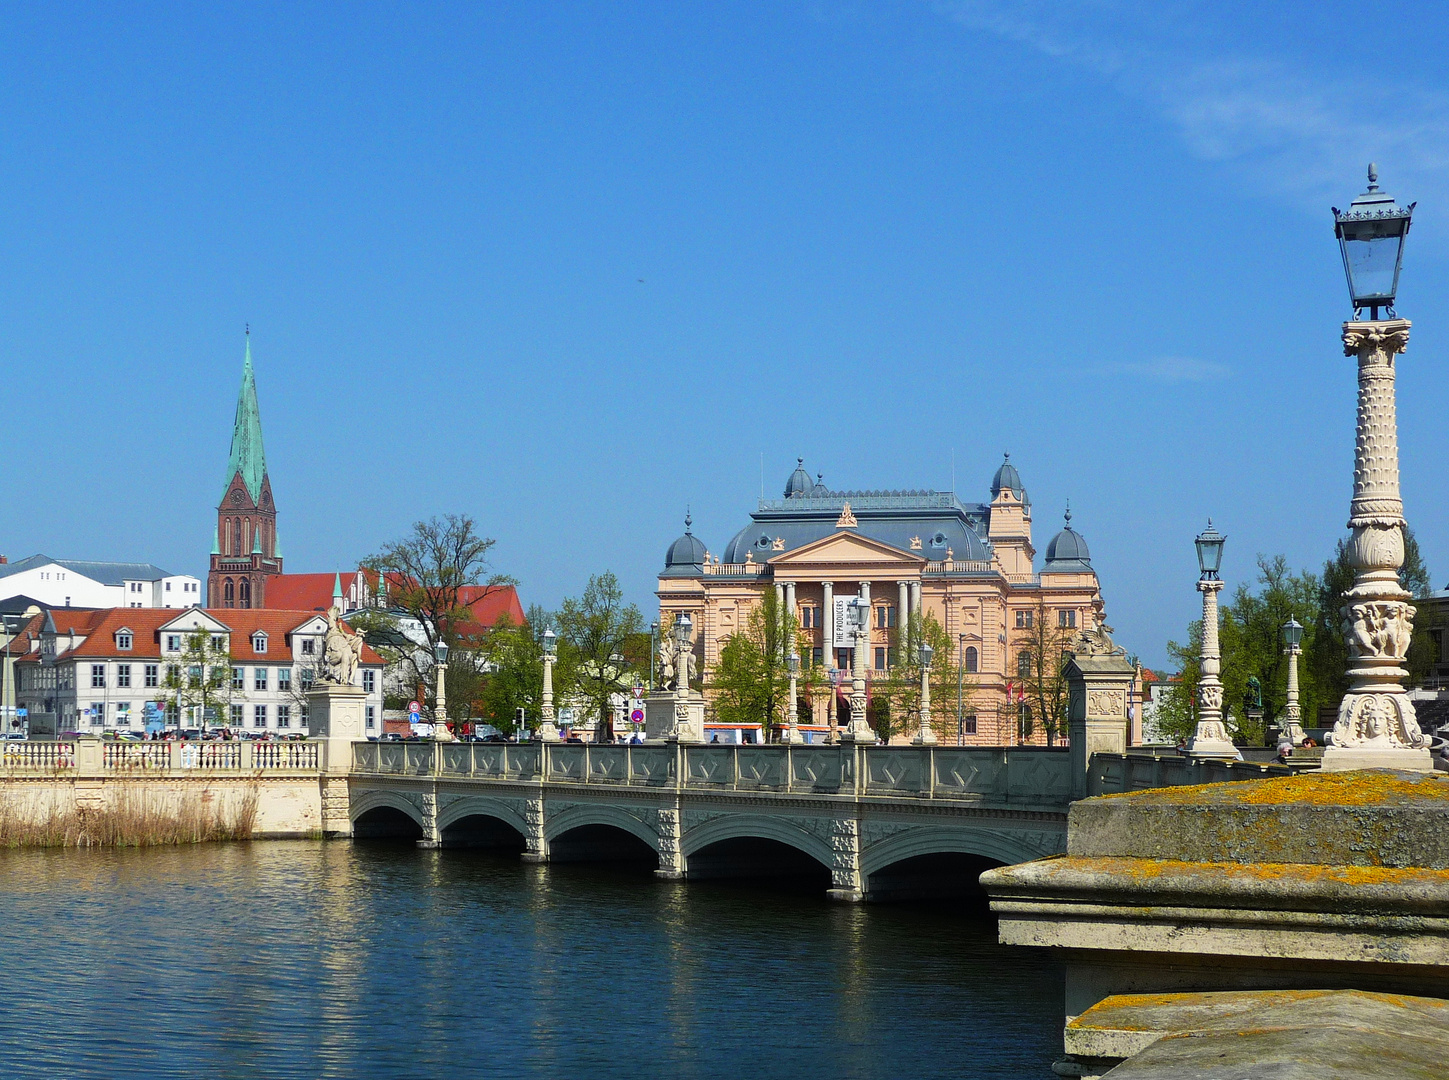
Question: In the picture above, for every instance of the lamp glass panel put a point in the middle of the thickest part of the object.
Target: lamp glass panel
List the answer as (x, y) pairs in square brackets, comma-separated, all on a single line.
[(1372, 262)]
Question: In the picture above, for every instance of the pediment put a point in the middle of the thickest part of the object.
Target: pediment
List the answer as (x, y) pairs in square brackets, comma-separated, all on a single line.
[(195, 619), (847, 548)]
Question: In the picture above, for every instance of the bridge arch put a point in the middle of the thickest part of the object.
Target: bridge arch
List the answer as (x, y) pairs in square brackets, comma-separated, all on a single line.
[(379, 814), (378, 798), (994, 844), (481, 806), (756, 827), (580, 815)]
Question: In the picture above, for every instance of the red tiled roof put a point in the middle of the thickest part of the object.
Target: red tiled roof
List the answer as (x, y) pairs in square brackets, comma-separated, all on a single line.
[(145, 626), (303, 592)]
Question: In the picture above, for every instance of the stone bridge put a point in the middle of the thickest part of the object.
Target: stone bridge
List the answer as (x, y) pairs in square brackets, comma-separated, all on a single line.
[(875, 822)]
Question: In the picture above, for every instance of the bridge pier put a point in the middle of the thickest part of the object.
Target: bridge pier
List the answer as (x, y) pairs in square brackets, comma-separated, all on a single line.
[(847, 885)]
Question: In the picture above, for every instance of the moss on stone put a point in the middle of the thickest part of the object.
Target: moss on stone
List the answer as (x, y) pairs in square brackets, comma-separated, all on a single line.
[(1363, 787)]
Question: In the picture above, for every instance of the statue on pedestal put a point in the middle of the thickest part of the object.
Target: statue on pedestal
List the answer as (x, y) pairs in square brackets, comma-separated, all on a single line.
[(341, 652)]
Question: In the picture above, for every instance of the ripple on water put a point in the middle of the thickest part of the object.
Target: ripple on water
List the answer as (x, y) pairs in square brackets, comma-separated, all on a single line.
[(303, 959)]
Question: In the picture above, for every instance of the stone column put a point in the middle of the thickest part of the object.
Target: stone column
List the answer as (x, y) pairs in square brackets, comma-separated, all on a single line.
[(903, 611), (1210, 740), (1376, 725), (927, 735), (790, 599), (845, 877), (859, 730), (547, 729), (535, 840), (916, 599), (780, 593), (1098, 680), (1292, 713), (334, 719), (440, 712), (792, 712)]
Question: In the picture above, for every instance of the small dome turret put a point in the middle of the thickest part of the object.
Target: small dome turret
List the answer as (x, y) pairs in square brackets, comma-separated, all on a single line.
[(1007, 478), (1067, 553), (799, 482), (686, 555)]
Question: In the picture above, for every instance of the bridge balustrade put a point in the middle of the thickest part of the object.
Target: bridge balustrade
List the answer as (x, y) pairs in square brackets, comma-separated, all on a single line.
[(1002, 774), (96, 757)]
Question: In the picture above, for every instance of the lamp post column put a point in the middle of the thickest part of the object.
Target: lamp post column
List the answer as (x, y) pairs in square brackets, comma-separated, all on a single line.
[(547, 728), (859, 730), (440, 712), (1211, 738), (1292, 714), (926, 736), (792, 712), (1376, 725)]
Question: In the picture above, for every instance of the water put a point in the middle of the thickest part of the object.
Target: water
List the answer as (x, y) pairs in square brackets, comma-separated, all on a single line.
[(301, 959)]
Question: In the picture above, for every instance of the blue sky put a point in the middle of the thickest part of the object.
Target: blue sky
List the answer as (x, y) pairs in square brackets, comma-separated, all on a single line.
[(571, 267)]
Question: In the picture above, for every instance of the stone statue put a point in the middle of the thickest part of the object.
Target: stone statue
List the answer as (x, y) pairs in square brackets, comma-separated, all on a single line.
[(341, 653), (1253, 698), (666, 662)]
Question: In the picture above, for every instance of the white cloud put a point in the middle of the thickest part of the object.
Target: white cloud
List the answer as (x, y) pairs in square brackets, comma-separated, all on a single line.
[(1169, 369), (1294, 132)]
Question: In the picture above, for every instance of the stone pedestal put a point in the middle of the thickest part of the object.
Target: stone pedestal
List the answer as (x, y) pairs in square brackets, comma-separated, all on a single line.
[(674, 717), (334, 718), (1099, 679)]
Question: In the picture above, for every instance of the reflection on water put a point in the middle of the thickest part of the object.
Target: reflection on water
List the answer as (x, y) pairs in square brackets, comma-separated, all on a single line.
[(331, 960)]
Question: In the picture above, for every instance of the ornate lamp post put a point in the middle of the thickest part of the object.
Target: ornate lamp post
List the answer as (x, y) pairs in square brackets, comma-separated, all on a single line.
[(653, 652), (440, 710), (792, 713), (859, 730), (1292, 714), (683, 627), (1211, 737), (1376, 725), (547, 729), (926, 737)]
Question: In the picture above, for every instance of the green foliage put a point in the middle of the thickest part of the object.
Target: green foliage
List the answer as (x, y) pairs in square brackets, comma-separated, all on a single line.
[(594, 632), (199, 677), (882, 719), (1045, 645), (904, 682), (514, 678), (751, 682)]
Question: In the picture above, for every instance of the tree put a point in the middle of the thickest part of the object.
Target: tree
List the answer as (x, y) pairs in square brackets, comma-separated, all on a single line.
[(752, 679), (1328, 661), (594, 631), (198, 679), (1042, 673), (905, 676), (433, 580), (514, 678)]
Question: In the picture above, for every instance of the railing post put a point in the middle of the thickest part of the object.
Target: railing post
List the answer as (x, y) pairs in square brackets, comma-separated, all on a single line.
[(248, 755), (174, 750), (736, 758), (930, 771), (789, 768)]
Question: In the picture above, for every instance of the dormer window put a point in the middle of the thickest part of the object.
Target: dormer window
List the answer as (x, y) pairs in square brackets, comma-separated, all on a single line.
[(123, 639), (218, 643), (259, 642), (173, 642), (309, 646)]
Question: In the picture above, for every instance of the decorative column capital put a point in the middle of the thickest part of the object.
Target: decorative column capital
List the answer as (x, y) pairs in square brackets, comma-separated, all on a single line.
[(1376, 342)]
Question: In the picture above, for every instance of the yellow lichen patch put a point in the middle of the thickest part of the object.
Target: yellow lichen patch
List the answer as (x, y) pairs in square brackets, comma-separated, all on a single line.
[(1364, 787), (1145, 869)]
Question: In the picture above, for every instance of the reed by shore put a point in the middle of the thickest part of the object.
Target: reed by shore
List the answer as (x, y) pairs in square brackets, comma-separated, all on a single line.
[(132, 821)]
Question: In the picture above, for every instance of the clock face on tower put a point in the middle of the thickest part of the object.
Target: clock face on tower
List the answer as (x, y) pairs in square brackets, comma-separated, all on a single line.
[(236, 498)]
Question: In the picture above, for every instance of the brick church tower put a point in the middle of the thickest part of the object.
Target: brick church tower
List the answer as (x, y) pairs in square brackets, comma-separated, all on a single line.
[(245, 550)]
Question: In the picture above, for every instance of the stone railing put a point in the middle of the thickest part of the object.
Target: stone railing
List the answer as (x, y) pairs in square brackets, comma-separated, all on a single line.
[(95, 757), (736, 569), (959, 566), (1110, 774), (1016, 775)]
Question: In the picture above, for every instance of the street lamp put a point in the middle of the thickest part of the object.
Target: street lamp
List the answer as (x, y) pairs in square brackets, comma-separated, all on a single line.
[(683, 626), (927, 737), (653, 651), (1376, 725), (1371, 234), (1292, 714), (440, 712), (547, 729), (859, 731), (792, 729), (1210, 740)]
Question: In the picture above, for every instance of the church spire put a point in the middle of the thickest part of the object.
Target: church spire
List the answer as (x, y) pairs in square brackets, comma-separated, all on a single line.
[(247, 455)]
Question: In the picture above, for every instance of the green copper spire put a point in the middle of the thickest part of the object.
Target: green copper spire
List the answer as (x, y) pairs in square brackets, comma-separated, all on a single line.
[(247, 455), (216, 541), (337, 592)]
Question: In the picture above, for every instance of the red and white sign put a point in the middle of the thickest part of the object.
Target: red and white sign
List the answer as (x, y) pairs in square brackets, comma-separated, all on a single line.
[(413, 706)]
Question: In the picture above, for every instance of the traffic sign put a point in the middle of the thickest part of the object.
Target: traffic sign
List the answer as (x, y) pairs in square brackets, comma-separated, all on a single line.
[(413, 706), (637, 716)]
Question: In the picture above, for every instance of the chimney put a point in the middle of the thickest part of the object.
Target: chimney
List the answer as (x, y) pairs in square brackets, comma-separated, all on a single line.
[(4, 559)]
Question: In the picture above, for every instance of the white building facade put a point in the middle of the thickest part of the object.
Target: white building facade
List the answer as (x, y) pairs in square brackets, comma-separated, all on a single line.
[(84, 584)]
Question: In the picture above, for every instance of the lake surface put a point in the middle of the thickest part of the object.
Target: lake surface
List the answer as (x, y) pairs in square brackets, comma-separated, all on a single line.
[(311, 959)]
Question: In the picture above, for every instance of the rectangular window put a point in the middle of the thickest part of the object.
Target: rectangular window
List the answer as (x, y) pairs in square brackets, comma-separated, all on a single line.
[(123, 714), (306, 678), (238, 678), (880, 659), (304, 715), (193, 674), (284, 679), (307, 646), (1067, 620), (970, 724), (259, 643), (98, 675), (152, 674), (123, 675), (218, 643), (173, 674), (369, 681), (259, 716), (371, 717), (819, 655), (807, 618), (173, 642), (1023, 620), (123, 641), (284, 716), (259, 678), (236, 716)]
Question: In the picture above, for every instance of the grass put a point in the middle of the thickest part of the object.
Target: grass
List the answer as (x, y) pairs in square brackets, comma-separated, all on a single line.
[(132, 821)]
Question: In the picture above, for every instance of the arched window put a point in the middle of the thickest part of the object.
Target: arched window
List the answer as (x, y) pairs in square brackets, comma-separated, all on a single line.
[(236, 536), (972, 660), (228, 593), (246, 537), (1023, 664), (246, 593)]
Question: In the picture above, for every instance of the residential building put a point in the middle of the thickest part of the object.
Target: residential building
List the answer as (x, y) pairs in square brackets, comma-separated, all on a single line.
[(971, 565), (98, 670), (82, 583)]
